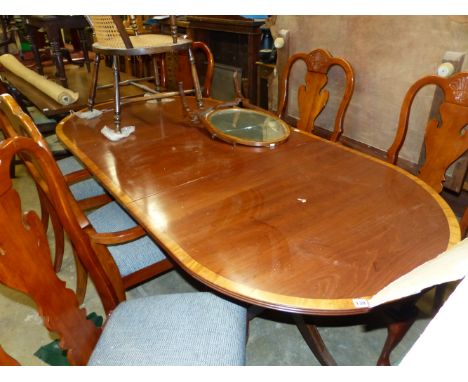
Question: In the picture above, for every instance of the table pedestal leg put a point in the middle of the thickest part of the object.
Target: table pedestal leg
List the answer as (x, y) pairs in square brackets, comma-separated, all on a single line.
[(314, 340)]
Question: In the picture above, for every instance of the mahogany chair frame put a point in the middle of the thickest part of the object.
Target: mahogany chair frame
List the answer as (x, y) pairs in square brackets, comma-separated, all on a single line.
[(29, 254), (441, 135), (312, 97), (14, 122), (99, 241), (444, 142)]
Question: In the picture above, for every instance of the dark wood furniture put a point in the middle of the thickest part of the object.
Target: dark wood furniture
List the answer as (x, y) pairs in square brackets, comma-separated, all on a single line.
[(177, 68), (444, 144), (457, 180), (52, 25), (312, 97), (265, 74), (445, 140), (173, 67), (234, 41), (112, 40), (305, 228)]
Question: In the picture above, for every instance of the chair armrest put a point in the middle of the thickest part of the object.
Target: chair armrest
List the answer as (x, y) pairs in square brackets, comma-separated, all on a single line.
[(119, 237), (77, 176)]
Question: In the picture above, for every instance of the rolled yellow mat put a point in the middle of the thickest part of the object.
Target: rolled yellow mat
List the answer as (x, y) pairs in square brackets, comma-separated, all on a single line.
[(60, 94)]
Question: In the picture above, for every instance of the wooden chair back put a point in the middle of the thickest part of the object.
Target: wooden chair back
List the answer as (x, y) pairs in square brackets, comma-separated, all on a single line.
[(312, 97), (99, 240), (180, 70), (104, 272), (12, 125), (444, 141), (25, 261)]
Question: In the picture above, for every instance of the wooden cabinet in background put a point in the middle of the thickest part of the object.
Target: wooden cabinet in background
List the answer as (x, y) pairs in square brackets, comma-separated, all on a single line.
[(234, 41)]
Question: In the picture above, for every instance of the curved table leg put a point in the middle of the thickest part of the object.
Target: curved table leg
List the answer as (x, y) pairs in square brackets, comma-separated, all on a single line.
[(314, 340)]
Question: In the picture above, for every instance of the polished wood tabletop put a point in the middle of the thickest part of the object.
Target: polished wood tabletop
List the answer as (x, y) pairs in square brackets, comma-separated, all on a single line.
[(307, 227)]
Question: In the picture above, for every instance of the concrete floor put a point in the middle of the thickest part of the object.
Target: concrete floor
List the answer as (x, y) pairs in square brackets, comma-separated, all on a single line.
[(273, 339)]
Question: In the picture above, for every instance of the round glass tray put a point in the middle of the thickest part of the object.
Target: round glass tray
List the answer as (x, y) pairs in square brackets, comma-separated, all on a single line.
[(247, 127)]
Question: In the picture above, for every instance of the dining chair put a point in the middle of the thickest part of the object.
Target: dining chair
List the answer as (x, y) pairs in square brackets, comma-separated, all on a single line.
[(86, 191), (129, 256), (312, 97), (112, 39), (176, 329), (175, 67), (180, 70), (445, 140)]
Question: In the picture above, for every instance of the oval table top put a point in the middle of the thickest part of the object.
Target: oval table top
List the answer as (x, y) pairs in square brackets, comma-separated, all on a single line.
[(306, 227)]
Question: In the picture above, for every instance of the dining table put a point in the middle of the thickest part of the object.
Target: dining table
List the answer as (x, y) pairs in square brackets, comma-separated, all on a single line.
[(307, 226)]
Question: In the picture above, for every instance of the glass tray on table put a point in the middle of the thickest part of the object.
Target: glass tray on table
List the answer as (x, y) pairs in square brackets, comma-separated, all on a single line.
[(246, 126)]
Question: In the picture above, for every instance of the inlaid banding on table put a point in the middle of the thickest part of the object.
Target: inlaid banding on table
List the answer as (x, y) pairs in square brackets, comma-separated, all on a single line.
[(235, 217)]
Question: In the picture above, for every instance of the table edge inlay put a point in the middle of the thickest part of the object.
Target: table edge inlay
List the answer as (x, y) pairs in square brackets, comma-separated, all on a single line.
[(238, 290)]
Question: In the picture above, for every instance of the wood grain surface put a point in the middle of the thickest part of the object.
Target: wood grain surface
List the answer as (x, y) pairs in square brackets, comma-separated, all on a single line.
[(305, 227)]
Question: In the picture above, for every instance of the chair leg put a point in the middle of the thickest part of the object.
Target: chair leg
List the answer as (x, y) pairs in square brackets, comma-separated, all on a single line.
[(401, 317), (93, 85), (253, 311), (395, 332), (157, 78), (115, 68), (84, 49), (314, 341), (196, 82), (162, 72)]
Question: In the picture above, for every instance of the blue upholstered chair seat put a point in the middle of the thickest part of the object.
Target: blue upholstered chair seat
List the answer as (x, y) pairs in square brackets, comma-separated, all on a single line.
[(129, 257), (80, 190), (180, 329)]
